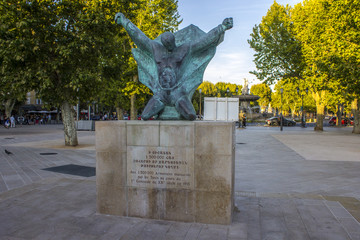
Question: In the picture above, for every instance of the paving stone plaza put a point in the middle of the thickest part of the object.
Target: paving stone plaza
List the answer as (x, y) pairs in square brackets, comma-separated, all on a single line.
[(295, 184)]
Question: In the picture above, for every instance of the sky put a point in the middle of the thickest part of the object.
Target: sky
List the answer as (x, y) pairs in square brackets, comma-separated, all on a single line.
[(234, 57)]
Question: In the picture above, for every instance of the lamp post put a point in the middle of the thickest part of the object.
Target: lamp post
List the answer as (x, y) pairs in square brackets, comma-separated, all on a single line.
[(77, 110), (281, 116), (303, 124), (231, 93), (200, 103)]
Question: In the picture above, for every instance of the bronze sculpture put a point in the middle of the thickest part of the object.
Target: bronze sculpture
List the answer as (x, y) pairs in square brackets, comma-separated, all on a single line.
[(173, 65)]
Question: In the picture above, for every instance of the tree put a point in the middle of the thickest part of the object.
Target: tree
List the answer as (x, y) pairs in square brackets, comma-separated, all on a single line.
[(66, 41), (17, 48), (291, 99), (264, 92), (278, 54), (308, 25), (226, 89), (341, 43), (208, 89), (329, 31)]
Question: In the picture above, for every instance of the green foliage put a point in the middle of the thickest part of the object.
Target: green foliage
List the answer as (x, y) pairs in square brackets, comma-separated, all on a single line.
[(310, 26), (316, 44), (219, 89), (63, 43), (226, 89), (291, 101), (154, 17), (209, 89), (72, 50), (196, 105), (277, 52), (330, 33), (17, 49), (263, 91)]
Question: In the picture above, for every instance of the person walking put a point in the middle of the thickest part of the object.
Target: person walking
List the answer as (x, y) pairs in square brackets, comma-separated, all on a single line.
[(244, 120), (240, 119), (12, 121)]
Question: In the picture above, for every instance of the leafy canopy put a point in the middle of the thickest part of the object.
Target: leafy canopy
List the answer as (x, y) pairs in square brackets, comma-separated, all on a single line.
[(277, 52)]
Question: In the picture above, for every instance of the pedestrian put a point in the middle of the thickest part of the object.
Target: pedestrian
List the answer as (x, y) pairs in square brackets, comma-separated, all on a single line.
[(240, 119), (7, 123), (12, 121), (244, 120)]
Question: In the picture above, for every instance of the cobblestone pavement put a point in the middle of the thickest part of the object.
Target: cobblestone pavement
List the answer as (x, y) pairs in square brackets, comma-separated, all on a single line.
[(295, 184)]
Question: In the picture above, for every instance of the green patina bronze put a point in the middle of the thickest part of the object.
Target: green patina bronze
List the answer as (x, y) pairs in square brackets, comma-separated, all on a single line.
[(173, 65)]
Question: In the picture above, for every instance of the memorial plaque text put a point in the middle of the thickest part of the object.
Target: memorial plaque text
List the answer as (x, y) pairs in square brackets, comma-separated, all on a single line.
[(160, 167)]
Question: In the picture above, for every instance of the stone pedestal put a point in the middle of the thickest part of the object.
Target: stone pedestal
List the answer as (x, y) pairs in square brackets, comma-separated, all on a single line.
[(171, 170)]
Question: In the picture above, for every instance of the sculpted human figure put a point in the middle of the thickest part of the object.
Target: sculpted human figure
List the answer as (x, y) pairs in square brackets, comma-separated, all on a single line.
[(172, 66)]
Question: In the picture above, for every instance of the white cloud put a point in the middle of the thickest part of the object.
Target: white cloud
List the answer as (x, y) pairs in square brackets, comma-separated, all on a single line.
[(230, 67)]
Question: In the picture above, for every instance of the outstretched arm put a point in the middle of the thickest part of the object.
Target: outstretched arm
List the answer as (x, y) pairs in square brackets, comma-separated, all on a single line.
[(140, 39), (214, 36)]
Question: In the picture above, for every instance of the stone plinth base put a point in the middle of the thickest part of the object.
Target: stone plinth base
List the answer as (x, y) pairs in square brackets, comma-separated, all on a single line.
[(170, 170)]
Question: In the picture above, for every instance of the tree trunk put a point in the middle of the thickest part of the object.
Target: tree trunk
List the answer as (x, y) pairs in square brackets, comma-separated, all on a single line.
[(320, 110), (9, 105), (119, 113), (133, 110), (57, 116), (355, 107), (338, 116), (68, 116), (293, 113)]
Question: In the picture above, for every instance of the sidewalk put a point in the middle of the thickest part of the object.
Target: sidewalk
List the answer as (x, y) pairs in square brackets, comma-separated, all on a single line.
[(295, 184)]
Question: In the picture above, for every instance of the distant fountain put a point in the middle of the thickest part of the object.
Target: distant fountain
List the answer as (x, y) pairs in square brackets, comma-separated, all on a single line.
[(245, 98)]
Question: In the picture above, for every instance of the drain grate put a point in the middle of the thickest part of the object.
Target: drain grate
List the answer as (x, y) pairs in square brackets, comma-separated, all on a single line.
[(9, 138), (73, 169), (49, 153), (240, 143)]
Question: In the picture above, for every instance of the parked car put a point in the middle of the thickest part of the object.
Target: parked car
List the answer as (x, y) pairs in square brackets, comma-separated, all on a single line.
[(344, 121), (275, 121), (351, 120)]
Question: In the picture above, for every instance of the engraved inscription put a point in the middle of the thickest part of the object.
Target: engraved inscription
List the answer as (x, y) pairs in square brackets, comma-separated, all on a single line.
[(160, 167)]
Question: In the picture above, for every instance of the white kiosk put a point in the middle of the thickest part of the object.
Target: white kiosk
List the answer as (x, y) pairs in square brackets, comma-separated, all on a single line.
[(221, 109)]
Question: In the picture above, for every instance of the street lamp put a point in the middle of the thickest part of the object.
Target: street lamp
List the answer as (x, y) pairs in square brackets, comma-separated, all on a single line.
[(303, 124), (200, 103), (281, 116), (231, 93)]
